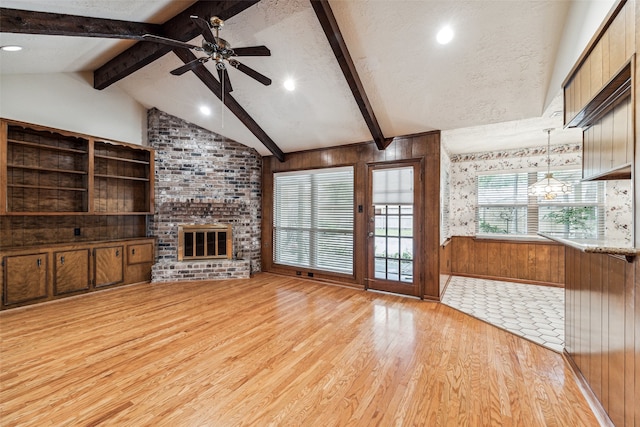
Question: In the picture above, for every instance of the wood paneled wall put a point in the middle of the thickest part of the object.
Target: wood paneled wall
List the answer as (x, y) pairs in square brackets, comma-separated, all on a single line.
[(18, 231), (422, 147), (538, 262), (602, 329)]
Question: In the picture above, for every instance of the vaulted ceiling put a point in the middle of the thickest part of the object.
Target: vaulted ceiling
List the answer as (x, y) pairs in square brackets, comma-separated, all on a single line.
[(497, 69)]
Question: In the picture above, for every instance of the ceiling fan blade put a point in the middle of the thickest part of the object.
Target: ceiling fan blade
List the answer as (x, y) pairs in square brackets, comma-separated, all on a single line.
[(170, 42), (251, 72), (223, 75), (205, 28), (189, 66), (252, 51)]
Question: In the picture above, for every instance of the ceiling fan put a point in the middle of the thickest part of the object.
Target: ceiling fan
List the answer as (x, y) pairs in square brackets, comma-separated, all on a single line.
[(216, 49)]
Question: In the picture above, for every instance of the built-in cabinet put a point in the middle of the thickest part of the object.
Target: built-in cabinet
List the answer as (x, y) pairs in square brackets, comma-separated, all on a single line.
[(71, 271), (31, 275), (73, 213), (598, 97), (28, 276), (601, 64)]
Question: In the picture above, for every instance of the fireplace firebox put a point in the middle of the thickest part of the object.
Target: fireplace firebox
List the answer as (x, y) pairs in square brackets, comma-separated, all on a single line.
[(198, 241)]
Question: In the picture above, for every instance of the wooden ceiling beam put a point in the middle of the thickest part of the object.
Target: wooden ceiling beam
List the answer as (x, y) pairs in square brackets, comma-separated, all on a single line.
[(180, 27), (57, 24), (332, 31), (214, 86)]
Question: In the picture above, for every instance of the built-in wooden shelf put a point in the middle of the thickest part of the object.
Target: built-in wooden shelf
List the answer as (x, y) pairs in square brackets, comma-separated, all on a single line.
[(130, 178), (38, 168), (46, 147), (76, 173), (45, 187), (121, 159)]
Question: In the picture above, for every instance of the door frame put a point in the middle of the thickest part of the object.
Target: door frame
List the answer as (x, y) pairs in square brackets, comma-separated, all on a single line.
[(417, 289)]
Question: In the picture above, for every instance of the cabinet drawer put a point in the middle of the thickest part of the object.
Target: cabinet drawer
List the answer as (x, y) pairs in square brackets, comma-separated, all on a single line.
[(140, 253)]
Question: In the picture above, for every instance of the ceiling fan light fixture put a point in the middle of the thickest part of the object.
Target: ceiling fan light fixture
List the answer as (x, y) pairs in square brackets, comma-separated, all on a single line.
[(445, 35), (289, 84), (11, 48)]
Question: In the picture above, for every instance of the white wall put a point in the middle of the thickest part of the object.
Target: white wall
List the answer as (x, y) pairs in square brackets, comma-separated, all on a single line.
[(69, 102)]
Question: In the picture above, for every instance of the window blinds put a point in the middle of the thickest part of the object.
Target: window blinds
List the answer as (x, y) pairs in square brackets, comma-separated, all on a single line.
[(313, 219), (505, 208)]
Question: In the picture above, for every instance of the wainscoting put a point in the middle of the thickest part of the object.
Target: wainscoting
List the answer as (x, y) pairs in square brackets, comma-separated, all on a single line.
[(534, 262), (602, 329)]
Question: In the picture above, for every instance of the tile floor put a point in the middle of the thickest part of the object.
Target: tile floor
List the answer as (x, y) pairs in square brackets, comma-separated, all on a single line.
[(530, 311)]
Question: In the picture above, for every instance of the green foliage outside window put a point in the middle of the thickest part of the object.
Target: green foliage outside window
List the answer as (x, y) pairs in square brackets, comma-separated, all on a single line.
[(574, 218)]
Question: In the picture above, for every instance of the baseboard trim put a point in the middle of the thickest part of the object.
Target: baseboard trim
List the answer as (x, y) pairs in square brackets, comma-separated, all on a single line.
[(593, 401), (510, 279)]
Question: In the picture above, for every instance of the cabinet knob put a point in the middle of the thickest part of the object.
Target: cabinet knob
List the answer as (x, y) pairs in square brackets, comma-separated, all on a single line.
[(133, 251), (39, 262), (117, 252), (61, 260)]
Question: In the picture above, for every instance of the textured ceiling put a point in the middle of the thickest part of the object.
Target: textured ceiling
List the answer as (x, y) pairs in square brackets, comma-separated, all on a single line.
[(496, 70)]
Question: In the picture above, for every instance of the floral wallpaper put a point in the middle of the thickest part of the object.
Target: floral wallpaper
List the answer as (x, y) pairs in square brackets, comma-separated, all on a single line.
[(464, 169)]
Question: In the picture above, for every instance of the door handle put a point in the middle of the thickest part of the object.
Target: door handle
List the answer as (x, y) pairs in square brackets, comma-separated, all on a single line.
[(39, 262), (117, 252), (370, 234), (61, 260)]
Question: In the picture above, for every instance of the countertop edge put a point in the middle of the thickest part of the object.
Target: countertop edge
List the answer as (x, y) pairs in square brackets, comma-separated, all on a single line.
[(590, 248)]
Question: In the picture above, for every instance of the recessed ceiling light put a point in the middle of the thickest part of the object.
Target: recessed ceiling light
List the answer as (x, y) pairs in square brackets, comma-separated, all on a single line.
[(289, 85), (12, 48), (205, 110), (445, 35)]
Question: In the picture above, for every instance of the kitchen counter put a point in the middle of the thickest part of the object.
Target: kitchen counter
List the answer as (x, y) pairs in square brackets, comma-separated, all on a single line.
[(599, 246)]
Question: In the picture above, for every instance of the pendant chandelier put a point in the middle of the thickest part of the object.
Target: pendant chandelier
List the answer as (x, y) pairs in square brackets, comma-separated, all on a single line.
[(548, 187)]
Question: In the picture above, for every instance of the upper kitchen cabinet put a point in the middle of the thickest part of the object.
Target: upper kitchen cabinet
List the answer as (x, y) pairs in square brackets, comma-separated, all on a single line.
[(598, 97)]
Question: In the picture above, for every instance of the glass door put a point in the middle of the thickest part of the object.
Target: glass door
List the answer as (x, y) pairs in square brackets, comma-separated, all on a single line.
[(393, 224)]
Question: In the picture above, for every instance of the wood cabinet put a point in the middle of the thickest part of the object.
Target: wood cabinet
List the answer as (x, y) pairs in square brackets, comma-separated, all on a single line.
[(608, 144), (27, 275), (140, 254), (598, 96), (71, 271), (611, 48), (51, 172), (33, 275), (109, 266)]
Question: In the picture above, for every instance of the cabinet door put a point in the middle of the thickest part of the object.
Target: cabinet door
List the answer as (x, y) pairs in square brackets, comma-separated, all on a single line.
[(140, 253), (71, 271), (109, 266), (25, 278)]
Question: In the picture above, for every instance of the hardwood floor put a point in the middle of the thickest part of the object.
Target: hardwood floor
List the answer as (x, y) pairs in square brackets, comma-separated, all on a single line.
[(272, 351)]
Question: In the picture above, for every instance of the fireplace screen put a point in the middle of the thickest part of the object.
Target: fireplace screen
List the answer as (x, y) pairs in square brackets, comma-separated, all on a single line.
[(204, 241)]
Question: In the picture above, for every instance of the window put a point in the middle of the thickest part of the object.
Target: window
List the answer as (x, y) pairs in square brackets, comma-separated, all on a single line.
[(505, 208), (313, 219)]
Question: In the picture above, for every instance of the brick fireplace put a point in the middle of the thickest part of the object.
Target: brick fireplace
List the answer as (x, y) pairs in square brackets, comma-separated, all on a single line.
[(201, 179)]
